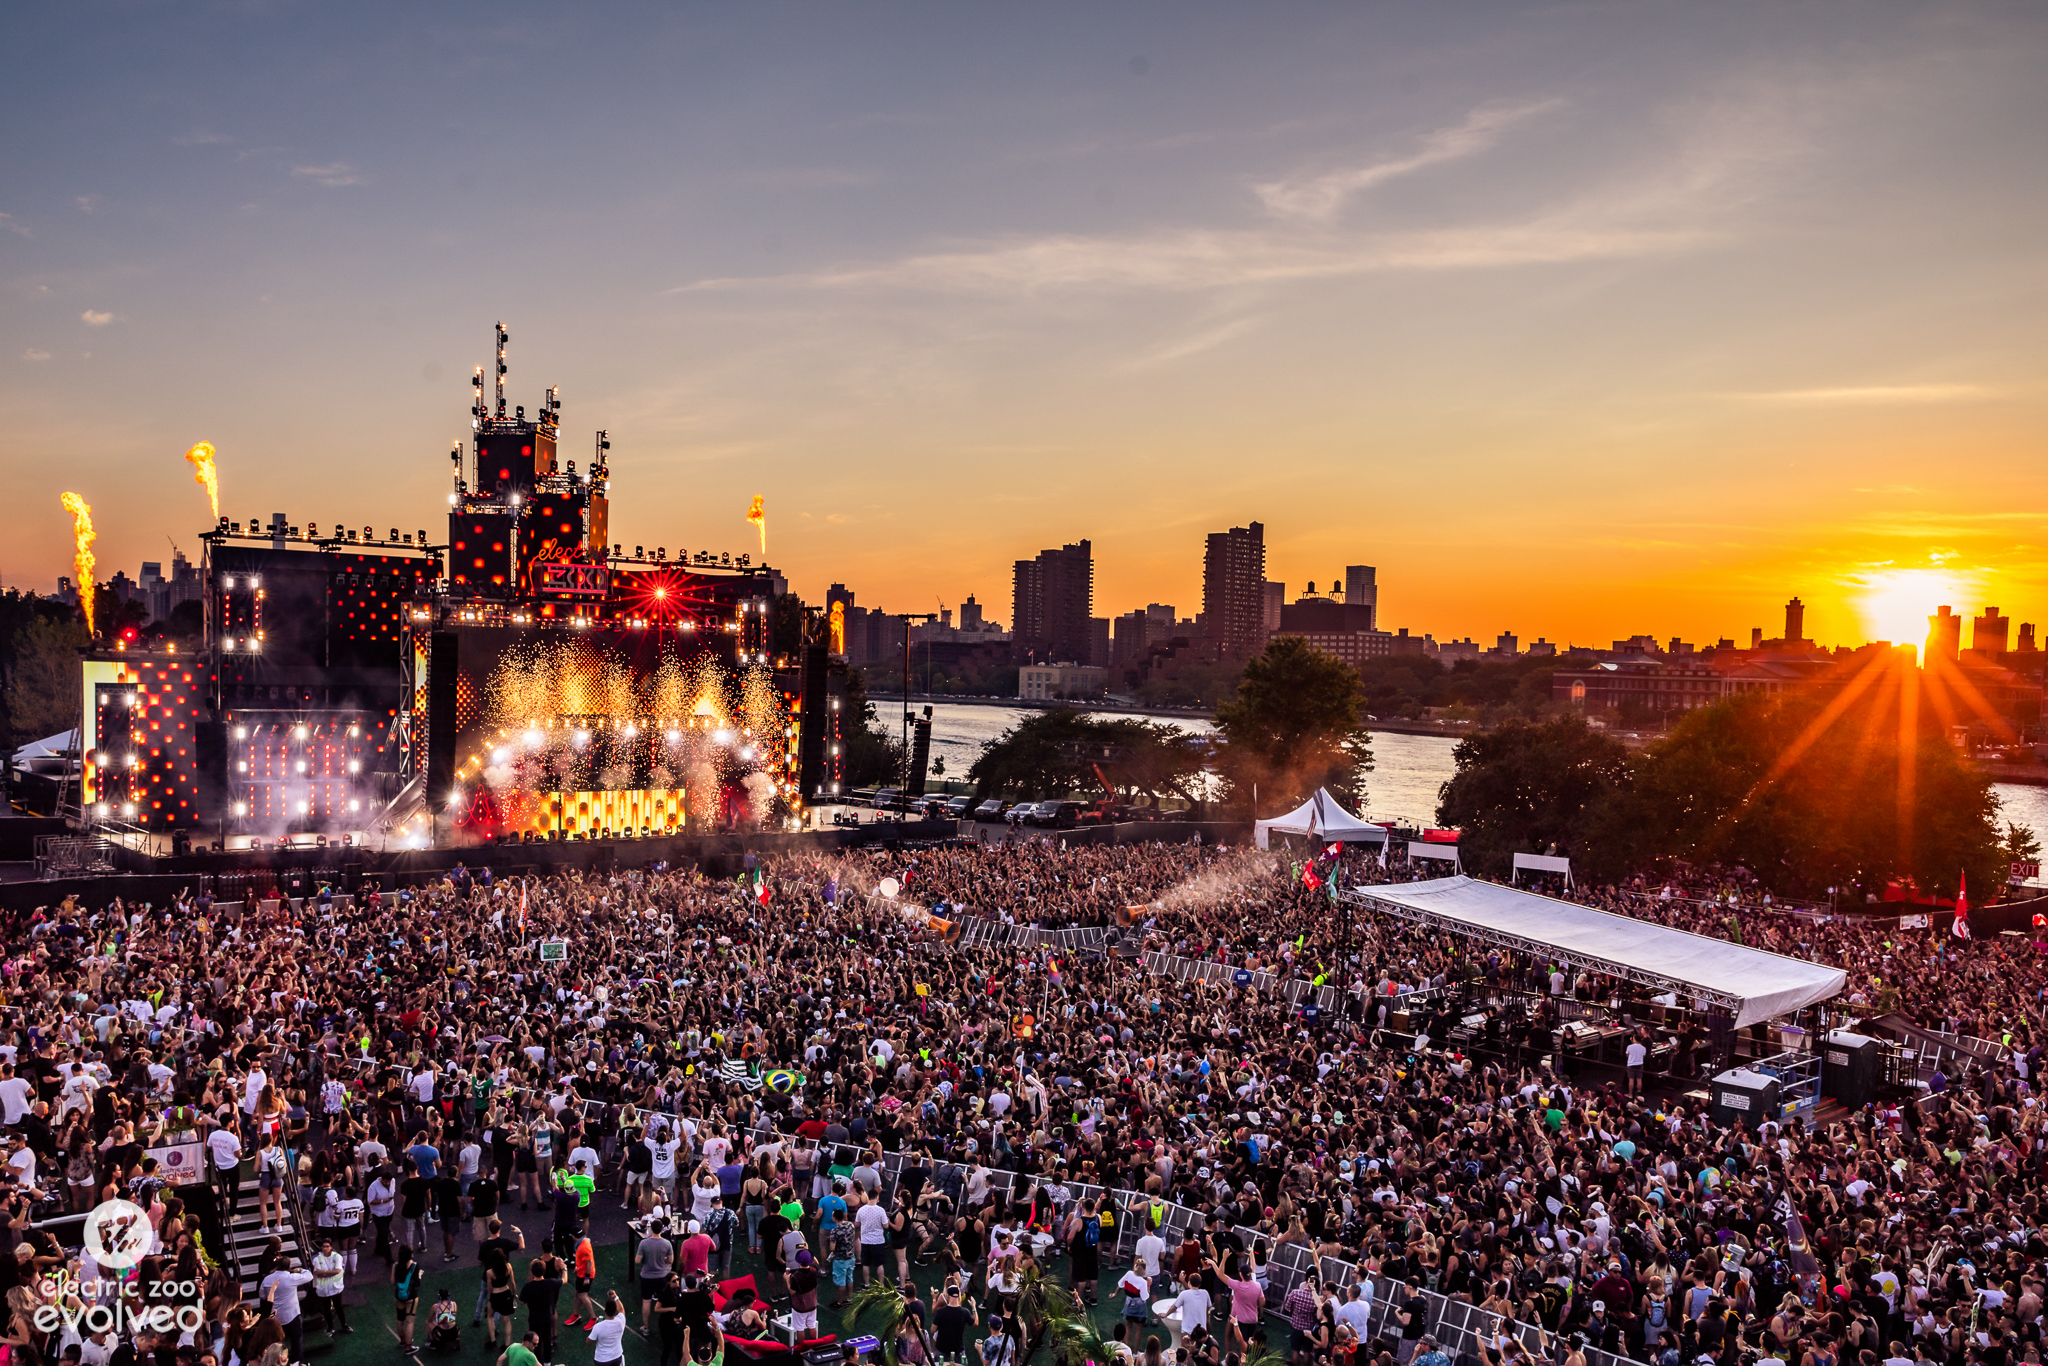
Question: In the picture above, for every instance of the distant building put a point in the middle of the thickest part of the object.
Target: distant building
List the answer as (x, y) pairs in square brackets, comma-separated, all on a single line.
[(1098, 642), (1989, 632), (1505, 646), (1275, 599), (1234, 589), (1051, 682), (1944, 636), (1052, 601), (1656, 685), (1795, 623), (970, 614), (1541, 648), (1361, 588), (1336, 628), (1451, 651)]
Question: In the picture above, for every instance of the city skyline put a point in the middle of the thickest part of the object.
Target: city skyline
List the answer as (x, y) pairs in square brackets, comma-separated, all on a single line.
[(1575, 323)]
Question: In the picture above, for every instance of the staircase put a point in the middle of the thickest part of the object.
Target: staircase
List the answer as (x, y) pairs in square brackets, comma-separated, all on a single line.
[(245, 1237)]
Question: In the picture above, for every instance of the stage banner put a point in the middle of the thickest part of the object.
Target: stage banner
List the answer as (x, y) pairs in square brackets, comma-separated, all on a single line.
[(180, 1164)]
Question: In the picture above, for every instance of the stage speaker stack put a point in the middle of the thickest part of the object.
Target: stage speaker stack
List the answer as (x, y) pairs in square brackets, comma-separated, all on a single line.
[(1850, 1065), (1743, 1097)]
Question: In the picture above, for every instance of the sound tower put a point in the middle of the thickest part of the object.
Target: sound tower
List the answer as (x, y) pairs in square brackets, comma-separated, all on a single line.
[(810, 740), (920, 752), (441, 721), (210, 754)]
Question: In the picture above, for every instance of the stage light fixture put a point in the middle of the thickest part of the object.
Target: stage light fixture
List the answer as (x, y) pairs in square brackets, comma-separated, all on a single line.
[(100, 809)]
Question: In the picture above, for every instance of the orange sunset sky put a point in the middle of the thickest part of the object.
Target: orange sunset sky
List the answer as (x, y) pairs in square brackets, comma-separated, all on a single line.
[(1579, 320)]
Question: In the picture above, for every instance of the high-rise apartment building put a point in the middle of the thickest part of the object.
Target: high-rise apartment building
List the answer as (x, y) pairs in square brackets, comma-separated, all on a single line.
[(1052, 603), (1362, 589), (970, 614), (1276, 598), (1234, 590), (1990, 631), (1944, 637)]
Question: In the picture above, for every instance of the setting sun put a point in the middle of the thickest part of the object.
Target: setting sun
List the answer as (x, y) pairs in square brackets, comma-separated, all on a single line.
[(1894, 604)]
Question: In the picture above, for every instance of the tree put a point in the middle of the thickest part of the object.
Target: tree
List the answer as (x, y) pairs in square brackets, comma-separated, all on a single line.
[(45, 688), (2020, 844), (873, 755), (1293, 727), (1043, 754), (1524, 787), (1151, 759), (786, 627), (1851, 785)]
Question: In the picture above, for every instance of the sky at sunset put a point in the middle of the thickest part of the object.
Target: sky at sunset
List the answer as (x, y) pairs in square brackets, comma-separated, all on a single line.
[(1580, 320)]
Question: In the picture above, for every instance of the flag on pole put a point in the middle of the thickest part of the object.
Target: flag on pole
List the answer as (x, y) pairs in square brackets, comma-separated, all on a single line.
[(760, 887), (1961, 928)]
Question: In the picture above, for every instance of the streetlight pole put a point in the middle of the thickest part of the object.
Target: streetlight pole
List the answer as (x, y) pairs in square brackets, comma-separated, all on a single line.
[(909, 617)]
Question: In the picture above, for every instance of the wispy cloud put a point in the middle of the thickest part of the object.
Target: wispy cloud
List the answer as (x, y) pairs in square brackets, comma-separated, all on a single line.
[(1681, 200), (94, 318), (7, 222), (1193, 344), (87, 203), (1321, 198), (1191, 259), (1876, 393), (333, 173), (34, 354), (201, 140)]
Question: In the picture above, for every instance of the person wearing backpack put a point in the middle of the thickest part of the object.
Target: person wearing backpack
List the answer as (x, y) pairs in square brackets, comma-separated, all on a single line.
[(1084, 1251), (1656, 1318)]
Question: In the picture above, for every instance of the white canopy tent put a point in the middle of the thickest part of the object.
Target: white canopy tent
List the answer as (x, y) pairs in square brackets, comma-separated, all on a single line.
[(1542, 863), (1751, 984), (1447, 853), (1329, 821)]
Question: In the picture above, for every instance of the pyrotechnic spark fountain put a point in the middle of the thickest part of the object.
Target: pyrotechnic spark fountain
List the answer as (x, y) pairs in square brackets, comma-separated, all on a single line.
[(204, 471), (838, 628), (757, 513), (571, 731), (82, 532)]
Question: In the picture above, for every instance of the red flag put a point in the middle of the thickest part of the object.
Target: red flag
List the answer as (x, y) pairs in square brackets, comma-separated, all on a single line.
[(1961, 928), (1309, 878)]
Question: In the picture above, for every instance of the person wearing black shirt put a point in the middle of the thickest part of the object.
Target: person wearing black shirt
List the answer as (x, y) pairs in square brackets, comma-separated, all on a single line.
[(545, 1275), (950, 1322), (568, 1218), (502, 1242), (414, 1193), (667, 1314), (694, 1307), (448, 1206)]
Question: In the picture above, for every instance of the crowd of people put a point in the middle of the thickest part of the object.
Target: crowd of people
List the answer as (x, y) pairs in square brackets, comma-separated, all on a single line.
[(736, 1060)]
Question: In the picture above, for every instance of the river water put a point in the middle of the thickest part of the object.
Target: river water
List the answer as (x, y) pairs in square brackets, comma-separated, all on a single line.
[(1408, 770)]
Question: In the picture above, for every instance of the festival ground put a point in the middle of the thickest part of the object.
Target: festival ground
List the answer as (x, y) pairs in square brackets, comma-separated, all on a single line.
[(376, 1337)]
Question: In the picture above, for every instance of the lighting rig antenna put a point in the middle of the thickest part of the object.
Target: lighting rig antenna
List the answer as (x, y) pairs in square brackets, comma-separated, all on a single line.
[(476, 403), (503, 337), (551, 411)]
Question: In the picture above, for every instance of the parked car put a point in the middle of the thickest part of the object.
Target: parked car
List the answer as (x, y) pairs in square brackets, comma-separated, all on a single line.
[(958, 808), (886, 798), (990, 810), (1056, 815)]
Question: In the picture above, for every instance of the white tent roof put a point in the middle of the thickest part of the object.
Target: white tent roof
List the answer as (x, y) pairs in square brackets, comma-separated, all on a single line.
[(1760, 985), (1332, 822)]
